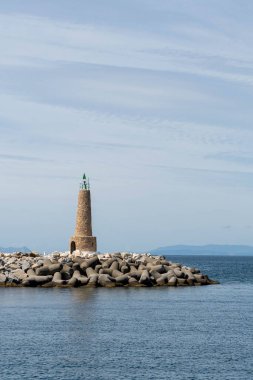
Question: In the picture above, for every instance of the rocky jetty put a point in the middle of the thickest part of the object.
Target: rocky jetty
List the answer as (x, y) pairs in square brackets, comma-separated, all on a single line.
[(95, 270)]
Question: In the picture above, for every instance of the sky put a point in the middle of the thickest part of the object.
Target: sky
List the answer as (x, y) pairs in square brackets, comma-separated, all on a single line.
[(151, 98)]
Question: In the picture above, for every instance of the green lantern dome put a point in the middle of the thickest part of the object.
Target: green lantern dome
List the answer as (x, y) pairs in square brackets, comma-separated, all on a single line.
[(85, 185)]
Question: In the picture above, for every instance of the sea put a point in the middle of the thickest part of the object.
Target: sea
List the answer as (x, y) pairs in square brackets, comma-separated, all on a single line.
[(184, 333)]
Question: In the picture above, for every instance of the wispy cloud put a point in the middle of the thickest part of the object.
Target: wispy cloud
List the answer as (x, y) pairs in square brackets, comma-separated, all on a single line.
[(152, 98), (205, 51), (234, 157), (14, 157), (206, 177)]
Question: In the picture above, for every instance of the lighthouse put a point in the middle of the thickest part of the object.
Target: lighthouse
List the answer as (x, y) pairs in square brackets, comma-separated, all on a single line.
[(82, 238)]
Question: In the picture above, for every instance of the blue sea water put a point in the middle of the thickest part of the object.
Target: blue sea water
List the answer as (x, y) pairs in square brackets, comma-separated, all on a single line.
[(193, 333)]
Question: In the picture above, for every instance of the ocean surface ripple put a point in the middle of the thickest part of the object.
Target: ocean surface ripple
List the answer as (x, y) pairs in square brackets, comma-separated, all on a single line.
[(191, 333)]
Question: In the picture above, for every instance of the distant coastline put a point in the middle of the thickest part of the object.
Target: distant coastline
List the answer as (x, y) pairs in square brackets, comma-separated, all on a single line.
[(15, 249), (191, 250), (209, 249)]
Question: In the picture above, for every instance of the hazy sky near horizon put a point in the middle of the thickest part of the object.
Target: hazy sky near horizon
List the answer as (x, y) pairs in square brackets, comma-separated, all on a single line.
[(152, 98)]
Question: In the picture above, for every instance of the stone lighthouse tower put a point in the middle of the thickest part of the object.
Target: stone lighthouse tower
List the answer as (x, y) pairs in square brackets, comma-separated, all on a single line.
[(83, 239)]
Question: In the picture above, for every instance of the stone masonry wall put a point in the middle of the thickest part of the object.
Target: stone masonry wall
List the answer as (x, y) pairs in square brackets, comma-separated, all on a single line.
[(83, 239), (83, 217)]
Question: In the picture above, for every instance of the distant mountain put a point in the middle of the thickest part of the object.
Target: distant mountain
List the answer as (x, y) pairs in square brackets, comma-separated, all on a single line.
[(210, 249), (15, 249)]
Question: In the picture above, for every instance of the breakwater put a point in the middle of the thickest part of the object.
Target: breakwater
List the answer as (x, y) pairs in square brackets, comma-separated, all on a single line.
[(92, 270)]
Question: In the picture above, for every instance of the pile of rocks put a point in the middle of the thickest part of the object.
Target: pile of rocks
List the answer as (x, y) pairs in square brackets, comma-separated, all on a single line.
[(106, 270)]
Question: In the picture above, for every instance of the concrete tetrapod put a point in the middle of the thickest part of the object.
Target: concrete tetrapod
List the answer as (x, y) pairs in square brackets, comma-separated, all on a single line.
[(91, 270)]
